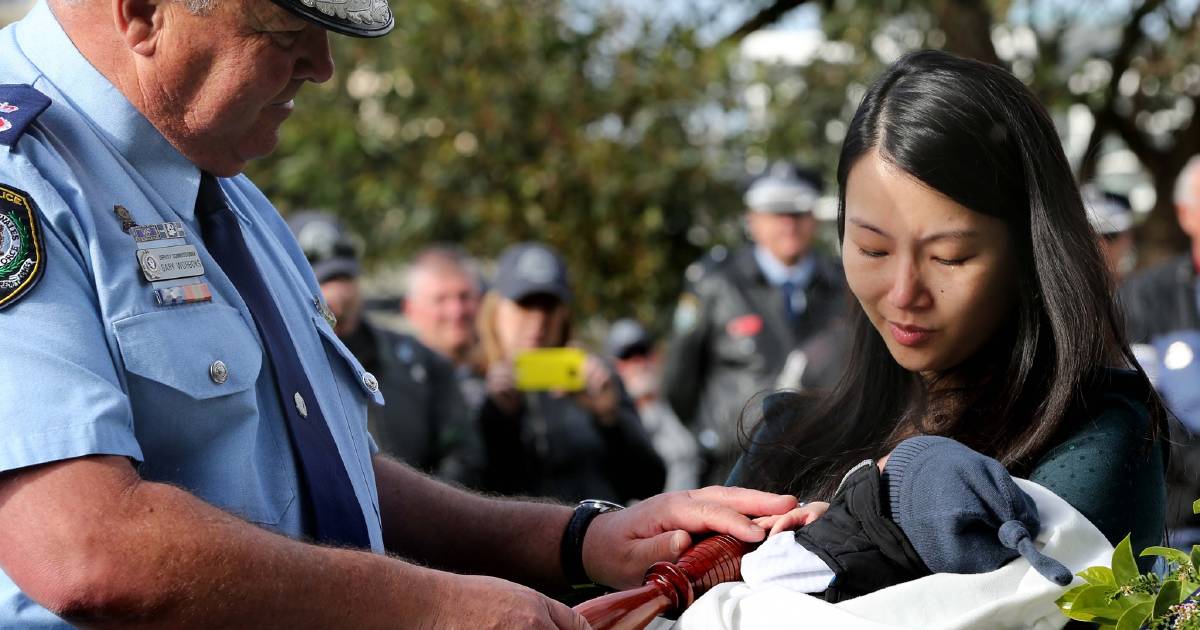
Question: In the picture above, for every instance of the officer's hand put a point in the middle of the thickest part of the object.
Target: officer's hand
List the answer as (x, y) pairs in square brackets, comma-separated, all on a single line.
[(502, 387), (620, 546), (600, 395), (471, 602)]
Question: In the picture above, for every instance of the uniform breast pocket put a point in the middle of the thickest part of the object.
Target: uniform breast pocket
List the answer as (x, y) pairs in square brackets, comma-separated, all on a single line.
[(197, 414), (355, 385)]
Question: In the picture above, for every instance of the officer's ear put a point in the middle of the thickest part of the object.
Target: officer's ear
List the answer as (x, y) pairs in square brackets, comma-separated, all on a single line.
[(140, 23)]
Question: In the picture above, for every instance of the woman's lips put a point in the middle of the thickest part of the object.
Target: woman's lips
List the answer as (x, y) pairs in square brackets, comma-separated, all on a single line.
[(909, 335)]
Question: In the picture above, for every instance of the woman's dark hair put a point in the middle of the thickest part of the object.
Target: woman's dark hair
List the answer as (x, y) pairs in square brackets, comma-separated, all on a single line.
[(975, 134)]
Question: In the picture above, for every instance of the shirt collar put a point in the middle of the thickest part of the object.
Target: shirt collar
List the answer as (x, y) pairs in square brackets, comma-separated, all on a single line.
[(43, 40), (776, 273)]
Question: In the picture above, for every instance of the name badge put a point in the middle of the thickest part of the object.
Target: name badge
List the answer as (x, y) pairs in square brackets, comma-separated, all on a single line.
[(170, 263)]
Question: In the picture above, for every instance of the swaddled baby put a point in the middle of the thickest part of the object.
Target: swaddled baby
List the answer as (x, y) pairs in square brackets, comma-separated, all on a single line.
[(931, 506)]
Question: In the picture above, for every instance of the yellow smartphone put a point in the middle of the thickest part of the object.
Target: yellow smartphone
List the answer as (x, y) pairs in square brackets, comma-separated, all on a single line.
[(550, 369)]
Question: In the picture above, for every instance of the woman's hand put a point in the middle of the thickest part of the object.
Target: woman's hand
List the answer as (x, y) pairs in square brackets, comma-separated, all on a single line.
[(793, 519), (600, 395), (502, 387)]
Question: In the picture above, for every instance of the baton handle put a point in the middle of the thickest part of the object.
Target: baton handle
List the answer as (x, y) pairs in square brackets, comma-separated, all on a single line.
[(669, 588)]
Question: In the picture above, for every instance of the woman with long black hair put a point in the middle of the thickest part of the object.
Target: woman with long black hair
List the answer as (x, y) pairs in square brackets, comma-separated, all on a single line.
[(984, 311)]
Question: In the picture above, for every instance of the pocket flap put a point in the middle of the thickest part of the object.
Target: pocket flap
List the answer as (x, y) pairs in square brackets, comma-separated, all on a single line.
[(365, 380), (181, 348)]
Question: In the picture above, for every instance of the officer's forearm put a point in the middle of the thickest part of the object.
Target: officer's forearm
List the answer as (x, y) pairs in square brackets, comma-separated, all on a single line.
[(110, 550), (450, 528)]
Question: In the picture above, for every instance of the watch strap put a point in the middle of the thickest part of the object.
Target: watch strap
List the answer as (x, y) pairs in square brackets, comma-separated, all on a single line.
[(571, 549)]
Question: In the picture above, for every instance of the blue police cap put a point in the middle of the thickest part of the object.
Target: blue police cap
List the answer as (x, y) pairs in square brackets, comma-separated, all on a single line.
[(356, 18), (529, 269), (627, 336), (326, 244)]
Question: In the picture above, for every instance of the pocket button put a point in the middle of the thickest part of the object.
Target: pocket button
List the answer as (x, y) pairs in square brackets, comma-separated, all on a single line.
[(218, 372)]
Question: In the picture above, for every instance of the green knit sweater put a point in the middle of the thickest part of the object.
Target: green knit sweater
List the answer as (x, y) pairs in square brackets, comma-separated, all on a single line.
[(1109, 471), (1103, 464)]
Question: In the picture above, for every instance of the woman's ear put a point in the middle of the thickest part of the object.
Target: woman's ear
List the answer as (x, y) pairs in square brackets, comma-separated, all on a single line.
[(140, 23)]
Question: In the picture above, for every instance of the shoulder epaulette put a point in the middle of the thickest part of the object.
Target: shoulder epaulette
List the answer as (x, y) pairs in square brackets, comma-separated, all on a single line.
[(20, 105)]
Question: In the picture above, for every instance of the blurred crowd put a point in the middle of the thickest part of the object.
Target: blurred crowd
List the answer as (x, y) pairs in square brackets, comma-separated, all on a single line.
[(488, 386)]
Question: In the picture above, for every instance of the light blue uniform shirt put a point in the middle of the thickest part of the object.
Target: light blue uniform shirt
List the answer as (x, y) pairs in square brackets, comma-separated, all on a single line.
[(92, 364)]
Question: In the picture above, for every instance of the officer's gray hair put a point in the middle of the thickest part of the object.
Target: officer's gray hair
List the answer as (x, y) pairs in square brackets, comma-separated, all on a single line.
[(1185, 183), (200, 7)]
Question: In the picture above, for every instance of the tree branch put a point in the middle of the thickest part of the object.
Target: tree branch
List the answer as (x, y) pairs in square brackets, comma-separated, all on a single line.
[(968, 28), (769, 15), (1106, 116)]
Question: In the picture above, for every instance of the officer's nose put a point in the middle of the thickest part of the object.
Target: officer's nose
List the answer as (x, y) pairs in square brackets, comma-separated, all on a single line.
[(316, 59)]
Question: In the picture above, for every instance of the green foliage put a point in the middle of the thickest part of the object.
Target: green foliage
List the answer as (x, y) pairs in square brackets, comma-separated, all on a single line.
[(1121, 598), (488, 123)]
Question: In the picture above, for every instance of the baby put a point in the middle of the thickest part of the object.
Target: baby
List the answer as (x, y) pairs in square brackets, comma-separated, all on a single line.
[(932, 505)]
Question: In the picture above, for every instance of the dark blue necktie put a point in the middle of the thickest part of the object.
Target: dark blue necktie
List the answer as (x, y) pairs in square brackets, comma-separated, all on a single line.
[(790, 305), (335, 515)]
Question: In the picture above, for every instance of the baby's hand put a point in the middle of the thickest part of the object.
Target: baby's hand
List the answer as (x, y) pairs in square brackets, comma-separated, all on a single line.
[(798, 517)]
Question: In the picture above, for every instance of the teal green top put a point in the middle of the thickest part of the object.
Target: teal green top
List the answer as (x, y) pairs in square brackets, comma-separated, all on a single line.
[(1108, 470), (1104, 465)]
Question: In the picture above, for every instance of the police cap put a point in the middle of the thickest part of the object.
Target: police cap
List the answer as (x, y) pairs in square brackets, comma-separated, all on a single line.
[(784, 189), (328, 247), (1109, 213), (356, 18)]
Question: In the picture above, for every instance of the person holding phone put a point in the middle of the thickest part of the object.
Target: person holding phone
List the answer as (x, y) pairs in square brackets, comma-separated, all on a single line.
[(580, 440)]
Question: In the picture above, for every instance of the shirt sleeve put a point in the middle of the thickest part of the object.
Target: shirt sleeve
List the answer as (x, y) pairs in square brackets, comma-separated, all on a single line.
[(60, 393)]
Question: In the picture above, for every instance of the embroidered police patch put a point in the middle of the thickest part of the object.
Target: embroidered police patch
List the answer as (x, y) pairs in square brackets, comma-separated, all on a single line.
[(21, 250)]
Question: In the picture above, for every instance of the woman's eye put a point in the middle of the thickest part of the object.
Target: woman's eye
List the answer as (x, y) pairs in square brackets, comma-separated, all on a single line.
[(951, 262), (871, 253)]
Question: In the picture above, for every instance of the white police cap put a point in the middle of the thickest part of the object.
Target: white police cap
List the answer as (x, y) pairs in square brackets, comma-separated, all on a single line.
[(783, 190), (1107, 212)]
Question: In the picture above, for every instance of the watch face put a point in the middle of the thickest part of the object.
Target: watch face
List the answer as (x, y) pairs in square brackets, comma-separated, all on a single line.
[(601, 506)]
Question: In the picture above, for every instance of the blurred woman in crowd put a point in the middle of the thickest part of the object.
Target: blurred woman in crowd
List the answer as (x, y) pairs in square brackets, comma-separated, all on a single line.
[(570, 446), (984, 311)]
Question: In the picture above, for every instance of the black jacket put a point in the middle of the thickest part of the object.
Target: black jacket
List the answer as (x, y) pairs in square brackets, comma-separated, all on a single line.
[(732, 341), (1159, 301), (554, 447), (866, 550), (425, 422)]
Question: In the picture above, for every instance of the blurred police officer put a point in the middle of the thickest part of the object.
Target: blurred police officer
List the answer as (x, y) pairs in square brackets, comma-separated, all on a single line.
[(765, 317), (1163, 322), (433, 429), (185, 438), (1111, 217)]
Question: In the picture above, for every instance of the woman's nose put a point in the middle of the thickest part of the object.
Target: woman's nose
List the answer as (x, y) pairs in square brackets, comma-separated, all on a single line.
[(908, 290)]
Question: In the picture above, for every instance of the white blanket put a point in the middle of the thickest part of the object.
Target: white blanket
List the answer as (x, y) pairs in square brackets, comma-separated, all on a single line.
[(1014, 596)]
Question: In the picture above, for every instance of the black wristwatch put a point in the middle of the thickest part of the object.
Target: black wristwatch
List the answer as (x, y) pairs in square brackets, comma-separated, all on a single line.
[(571, 550)]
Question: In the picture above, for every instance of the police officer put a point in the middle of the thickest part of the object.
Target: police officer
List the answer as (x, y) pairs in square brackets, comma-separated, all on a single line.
[(433, 430), (1162, 307), (185, 437), (765, 317)]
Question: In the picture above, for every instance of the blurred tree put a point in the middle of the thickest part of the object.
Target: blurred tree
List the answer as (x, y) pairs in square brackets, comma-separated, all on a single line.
[(1135, 66), (486, 123)]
